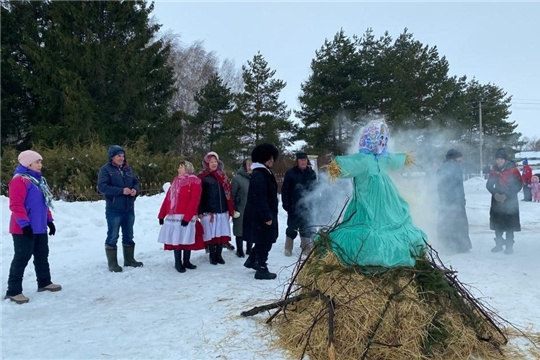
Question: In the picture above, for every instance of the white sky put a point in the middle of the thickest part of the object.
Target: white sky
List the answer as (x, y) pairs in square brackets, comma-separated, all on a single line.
[(495, 43), (154, 312)]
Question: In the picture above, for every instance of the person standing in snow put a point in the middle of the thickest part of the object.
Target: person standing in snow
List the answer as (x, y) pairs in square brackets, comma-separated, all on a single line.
[(181, 229), (30, 200), (504, 183), (118, 183), (216, 206), (452, 224), (526, 178), (240, 186), (261, 213), (297, 185)]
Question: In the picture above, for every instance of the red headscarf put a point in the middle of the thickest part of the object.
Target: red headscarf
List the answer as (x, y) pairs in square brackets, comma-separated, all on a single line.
[(221, 177)]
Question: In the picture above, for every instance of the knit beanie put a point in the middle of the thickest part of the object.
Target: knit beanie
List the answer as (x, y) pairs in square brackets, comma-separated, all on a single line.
[(27, 157), (501, 154)]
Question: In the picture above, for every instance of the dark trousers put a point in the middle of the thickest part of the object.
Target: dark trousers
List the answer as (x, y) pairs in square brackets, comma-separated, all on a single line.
[(509, 236), (260, 252), (25, 247), (527, 193)]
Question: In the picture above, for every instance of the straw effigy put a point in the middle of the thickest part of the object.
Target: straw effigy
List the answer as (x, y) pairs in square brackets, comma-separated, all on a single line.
[(332, 311)]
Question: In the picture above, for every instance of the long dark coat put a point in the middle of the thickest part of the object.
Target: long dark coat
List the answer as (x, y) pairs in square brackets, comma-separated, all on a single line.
[(452, 224), (240, 187), (261, 206), (504, 180)]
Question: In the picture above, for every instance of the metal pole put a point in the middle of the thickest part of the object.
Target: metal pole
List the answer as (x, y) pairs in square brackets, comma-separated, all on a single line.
[(481, 138)]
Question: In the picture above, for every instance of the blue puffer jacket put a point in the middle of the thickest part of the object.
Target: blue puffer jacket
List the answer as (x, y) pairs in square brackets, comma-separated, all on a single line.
[(113, 179)]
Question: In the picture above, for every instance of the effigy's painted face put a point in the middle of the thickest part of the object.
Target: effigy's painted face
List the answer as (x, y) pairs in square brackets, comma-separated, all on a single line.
[(374, 137)]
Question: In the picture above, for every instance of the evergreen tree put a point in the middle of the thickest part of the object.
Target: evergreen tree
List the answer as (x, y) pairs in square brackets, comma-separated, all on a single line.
[(95, 70), (266, 119), (331, 99)]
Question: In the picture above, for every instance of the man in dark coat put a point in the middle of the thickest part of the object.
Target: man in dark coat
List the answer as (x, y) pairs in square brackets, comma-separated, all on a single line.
[(261, 212), (297, 184), (504, 183), (117, 181), (452, 224)]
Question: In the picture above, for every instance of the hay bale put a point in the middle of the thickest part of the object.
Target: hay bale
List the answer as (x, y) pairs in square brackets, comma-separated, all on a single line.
[(388, 315)]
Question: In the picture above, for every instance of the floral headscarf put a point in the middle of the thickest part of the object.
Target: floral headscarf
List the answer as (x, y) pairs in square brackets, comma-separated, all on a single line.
[(374, 138)]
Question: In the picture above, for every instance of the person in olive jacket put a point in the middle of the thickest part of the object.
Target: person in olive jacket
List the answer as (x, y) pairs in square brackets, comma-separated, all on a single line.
[(240, 187), (504, 183), (261, 213), (117, 181)]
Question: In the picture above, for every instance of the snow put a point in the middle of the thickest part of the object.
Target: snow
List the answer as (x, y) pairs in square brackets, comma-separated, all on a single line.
[(155, 312)]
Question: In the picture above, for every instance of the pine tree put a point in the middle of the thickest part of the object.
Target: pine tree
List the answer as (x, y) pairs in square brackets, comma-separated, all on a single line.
[(266, 119)]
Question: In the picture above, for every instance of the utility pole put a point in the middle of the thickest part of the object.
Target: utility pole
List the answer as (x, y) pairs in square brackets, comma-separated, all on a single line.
[(481, 137)]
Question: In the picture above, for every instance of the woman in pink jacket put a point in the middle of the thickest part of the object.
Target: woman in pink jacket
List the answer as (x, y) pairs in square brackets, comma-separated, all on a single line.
[(181, 229), (30, 201)]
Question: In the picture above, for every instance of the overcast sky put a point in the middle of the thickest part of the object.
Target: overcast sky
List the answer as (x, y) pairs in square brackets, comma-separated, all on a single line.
[(497, 43)]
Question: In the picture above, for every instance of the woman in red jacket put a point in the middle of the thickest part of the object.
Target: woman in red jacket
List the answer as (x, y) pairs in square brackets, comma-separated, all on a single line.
[(181, 230)]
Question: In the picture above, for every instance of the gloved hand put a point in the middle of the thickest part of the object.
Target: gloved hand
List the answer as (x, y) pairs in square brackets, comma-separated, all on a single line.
[(184, 223), (52, 228), (236, 214), (27, 231), (499, 197), (161, 221)]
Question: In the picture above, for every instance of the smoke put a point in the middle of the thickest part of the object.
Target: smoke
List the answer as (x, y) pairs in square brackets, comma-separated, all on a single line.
[(417, 184)]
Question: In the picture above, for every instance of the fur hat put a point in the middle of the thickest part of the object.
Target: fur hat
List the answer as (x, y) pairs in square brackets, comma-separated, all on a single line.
[(263, 152), (453, 154), (208, 157), (301, 155), (115, 150), (501, 154), (27, 157)]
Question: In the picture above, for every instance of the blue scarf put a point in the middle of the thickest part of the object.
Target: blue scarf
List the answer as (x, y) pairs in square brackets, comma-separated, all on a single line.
[(367, 152)]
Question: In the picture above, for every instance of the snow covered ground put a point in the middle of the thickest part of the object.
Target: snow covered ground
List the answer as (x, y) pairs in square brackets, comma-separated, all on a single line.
[(155, 312)]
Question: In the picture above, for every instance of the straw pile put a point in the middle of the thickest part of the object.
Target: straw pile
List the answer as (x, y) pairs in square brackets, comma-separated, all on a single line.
[(332, 311)]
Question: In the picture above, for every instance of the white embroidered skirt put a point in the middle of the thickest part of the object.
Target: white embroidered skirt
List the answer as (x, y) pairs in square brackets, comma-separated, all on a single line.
[(219, 227), (173, 233)]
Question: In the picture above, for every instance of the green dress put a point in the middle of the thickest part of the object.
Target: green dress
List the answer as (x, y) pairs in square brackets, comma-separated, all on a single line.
[(376, 228)]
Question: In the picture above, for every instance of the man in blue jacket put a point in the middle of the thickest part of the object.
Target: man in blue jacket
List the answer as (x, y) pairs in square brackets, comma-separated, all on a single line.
[(118, 183)]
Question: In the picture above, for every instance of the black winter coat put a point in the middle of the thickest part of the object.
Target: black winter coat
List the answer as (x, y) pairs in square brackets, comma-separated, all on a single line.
[(261, 206), (505, 180), (296, 184), (213, 199)]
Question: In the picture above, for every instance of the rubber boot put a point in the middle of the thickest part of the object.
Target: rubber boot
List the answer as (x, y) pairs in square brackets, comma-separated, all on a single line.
[(212, 254), (219, 250), (187, 264), (112, 259), (239, 246), (264, 274), (129, 259), (288, 246), (178, 261), (498, 245)]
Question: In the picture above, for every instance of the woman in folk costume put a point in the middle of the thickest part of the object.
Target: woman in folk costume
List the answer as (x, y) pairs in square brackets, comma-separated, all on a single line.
[(181, 230), (376, 228), (504, 183), (216, 206)]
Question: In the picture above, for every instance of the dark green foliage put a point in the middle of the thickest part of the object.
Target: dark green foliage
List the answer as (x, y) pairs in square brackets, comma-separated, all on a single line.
[(94, 69)]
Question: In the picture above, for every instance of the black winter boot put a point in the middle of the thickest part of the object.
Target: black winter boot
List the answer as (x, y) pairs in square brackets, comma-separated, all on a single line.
[(250, 262), (129, 259), (212, 254), (509, 247), (219, 250), (112, 259), (264, 274), (178, 261), (187, 264), (249, 245), (239, 246)]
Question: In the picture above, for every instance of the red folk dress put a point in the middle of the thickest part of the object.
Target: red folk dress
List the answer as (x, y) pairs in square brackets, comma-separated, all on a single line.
[(182, 203)]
